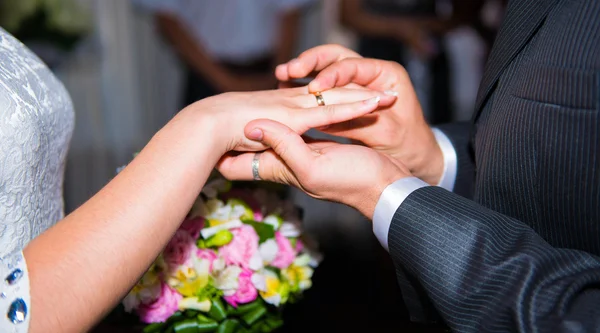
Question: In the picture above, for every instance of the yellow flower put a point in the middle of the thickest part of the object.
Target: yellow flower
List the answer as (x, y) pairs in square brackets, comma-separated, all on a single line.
[(277, 291), (299, 277), (188, 281)]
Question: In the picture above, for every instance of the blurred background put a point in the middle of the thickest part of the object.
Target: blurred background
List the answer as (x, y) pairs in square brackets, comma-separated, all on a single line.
[(130, 65)]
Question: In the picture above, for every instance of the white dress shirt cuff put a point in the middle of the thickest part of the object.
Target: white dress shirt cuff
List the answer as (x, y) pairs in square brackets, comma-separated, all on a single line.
[(450, 160), (391, 198)]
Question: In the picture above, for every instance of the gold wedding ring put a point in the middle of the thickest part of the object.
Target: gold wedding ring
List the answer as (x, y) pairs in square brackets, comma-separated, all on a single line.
[(320, 99)]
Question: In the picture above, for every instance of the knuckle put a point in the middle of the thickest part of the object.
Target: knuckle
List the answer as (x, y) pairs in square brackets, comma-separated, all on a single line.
[(280, 144), (328, 111)]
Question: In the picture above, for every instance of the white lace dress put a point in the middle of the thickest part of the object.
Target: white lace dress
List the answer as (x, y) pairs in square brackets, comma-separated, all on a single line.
[(36, 123)]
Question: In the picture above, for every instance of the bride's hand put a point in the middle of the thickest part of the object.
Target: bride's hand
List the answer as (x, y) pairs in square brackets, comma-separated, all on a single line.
[(226, 115)]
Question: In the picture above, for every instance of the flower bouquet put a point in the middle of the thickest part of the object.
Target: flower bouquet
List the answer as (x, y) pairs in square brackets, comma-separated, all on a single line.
[(236, 260)]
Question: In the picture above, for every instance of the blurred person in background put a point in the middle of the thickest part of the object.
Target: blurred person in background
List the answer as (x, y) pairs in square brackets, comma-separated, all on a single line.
[(468, 36), (404, 31), (229, 45)]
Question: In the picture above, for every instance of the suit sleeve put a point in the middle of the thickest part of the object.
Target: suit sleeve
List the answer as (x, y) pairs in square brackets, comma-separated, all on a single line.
[(459, 135), (486, 272)]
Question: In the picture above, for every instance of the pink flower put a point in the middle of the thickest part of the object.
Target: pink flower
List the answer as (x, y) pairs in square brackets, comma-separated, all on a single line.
[(179, 249), (258, 216), (245, 293), (162, 308), (299, 246), (209, 255), (286, 254), (242, 248), (193, 226)]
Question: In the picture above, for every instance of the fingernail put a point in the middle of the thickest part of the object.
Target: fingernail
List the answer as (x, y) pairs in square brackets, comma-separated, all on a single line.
[(256, 134), (313, 86), (391, 93), (373, 100)]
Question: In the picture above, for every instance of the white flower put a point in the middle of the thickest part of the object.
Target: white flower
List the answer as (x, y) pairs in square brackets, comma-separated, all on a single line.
[(256, 262), (218, 211), (310, 259), (289, 230), (259, 281), (208, 232), (218, 264), (227, 280), (272, 294), (302, 260), (268, 251), (192, 303), (274, 221), (145, 291)]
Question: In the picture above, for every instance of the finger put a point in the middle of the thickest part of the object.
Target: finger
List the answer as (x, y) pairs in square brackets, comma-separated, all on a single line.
[(286, 143), (270, 167), (344, 96), (355, 129), (359, 71), (312, 60), (333, 114)]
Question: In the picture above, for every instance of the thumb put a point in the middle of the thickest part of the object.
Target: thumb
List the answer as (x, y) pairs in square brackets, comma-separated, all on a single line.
[(286, 143)]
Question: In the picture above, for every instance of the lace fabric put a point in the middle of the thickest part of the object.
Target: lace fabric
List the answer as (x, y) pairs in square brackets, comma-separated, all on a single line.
[(36, 123)]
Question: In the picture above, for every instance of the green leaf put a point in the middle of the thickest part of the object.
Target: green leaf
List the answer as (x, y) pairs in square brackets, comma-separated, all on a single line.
[(175, 317), (203, 319), (245, 308), (190, 313), (228, 326), (209, 291), (186, 326), (264, 231), (274, 322), (293, 242), (154, 328), (254, 315), (217, 310), (207, 327)]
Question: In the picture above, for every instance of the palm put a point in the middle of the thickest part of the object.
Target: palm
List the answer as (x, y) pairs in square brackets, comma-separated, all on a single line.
[(336, 163)]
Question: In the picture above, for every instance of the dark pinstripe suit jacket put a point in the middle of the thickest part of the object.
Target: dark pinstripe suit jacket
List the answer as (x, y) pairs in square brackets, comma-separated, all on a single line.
[(518, 249)]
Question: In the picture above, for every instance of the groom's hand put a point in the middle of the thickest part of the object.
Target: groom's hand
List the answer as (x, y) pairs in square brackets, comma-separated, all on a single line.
[(400, 130), (349, 174)]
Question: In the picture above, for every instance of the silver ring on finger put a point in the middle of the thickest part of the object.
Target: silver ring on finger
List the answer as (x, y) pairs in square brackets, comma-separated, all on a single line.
[(255, 165)]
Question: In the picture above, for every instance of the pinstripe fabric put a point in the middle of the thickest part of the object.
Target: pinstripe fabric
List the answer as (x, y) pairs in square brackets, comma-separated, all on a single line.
[(522, 255)]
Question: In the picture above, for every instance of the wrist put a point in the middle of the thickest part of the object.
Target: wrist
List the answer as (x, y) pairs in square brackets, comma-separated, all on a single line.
[(203, 123), (367, 200), (429, 164)]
